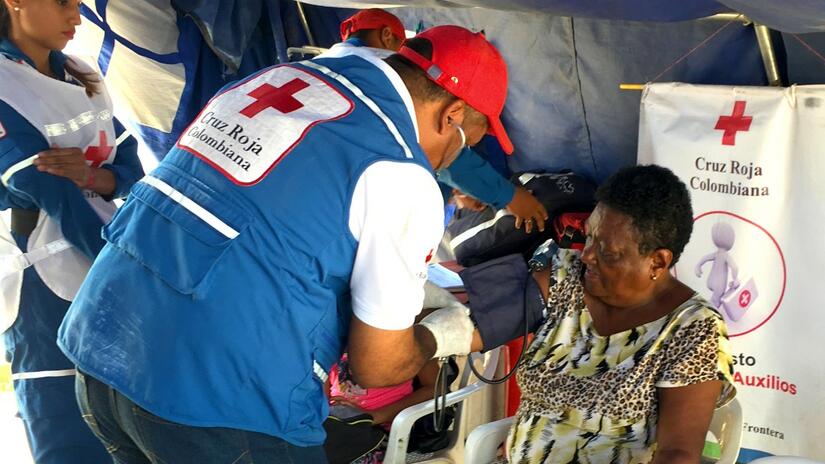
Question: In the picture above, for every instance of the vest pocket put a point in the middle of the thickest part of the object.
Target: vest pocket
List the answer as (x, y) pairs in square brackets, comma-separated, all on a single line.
[(307, 403), (179, 233)]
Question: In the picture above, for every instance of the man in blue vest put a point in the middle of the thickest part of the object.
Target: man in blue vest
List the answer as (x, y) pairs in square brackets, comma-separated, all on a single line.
[(295, 217), (474, 181)]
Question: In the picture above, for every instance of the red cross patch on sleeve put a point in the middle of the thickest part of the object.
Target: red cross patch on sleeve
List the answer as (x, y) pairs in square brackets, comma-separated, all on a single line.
[(245, 131)]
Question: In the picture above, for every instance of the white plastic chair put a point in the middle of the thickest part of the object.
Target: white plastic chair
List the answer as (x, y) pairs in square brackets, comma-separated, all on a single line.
[(401, 426), (785, 460), (726, 427), (483, 442)]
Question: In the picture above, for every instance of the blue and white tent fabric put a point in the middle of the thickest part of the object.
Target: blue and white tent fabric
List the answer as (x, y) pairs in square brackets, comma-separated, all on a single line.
[(164, 59), (788, 15), (564, 108)]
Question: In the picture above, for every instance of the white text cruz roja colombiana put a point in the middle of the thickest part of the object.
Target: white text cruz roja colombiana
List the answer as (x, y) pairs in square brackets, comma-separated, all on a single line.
[(245, 130)]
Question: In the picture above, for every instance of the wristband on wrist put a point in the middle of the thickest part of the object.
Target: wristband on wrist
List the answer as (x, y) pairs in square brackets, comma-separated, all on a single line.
[(90, 179)]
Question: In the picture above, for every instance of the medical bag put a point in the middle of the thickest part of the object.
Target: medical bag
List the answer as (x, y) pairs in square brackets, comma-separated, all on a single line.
[(479, 236)]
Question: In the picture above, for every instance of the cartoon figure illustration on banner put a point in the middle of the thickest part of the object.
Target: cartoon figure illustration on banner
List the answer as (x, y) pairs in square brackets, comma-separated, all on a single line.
[(725, 296)]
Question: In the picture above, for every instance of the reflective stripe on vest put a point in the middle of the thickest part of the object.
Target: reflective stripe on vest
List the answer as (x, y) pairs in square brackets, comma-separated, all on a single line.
[(366, 100), (194, 208), (43, 374)]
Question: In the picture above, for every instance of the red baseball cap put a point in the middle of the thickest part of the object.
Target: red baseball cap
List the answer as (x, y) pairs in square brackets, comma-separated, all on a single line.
[(372, 18), (468, 66)]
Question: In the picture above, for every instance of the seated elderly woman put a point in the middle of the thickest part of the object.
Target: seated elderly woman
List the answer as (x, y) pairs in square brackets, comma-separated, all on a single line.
[(627, 363)]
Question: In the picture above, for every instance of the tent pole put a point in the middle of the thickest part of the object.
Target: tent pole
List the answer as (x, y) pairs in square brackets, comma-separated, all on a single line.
[(727, 17), (763, 36), (305, 23)]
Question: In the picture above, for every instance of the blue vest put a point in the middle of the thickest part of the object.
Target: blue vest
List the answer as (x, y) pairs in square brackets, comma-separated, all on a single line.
[(228, 313)]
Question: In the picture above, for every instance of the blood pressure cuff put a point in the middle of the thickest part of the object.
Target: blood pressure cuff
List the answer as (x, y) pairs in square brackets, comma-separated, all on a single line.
[(499, 291)]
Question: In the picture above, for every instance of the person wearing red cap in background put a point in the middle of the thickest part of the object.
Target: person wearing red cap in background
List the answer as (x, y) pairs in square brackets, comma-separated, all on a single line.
[(471, 180), (297, 215), (374, 28)]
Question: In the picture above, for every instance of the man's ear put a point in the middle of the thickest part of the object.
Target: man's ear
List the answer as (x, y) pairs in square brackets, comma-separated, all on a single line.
[(450, 114), (387, 39)]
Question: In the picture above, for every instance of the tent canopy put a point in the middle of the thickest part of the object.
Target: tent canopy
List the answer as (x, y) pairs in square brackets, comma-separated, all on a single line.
[(566, 59), (785, 15)]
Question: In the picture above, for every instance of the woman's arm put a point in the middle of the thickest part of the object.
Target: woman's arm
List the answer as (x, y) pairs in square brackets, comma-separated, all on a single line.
[(542, 278), (473, 175), (126, 168), (684, 417), (30, 189), (71, 164), (110, 180)]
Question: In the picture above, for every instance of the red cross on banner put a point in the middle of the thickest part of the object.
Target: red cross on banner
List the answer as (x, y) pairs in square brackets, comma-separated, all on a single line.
[(281, 98), (734, 123), (100, 153)]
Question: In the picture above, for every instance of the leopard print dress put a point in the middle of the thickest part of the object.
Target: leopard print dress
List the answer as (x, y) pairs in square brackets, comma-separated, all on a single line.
[(592, 399)]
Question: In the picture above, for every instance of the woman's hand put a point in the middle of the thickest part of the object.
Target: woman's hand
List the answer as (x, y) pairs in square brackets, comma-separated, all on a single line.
[(65, 162), (71, 164)]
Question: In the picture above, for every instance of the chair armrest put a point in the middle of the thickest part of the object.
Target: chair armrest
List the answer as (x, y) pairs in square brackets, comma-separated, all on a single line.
[(403, 422), (485, 439), (727, 424), (402, 425)]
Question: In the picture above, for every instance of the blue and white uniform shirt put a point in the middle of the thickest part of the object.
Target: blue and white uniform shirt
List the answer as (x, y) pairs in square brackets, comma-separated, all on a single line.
[(41, 112)]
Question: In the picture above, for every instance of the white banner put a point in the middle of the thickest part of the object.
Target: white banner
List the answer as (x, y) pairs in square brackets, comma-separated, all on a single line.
[(753, 159)]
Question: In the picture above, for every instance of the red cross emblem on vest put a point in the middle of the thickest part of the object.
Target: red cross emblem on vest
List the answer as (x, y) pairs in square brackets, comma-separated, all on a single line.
[(734, 123), (100, 153), (280, 98)]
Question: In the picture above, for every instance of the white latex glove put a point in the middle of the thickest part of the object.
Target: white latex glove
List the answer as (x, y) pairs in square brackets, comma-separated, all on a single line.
[(437, 297), (452, 329)]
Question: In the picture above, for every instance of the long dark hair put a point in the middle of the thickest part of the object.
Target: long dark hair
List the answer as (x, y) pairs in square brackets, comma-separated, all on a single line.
[(88, 80)]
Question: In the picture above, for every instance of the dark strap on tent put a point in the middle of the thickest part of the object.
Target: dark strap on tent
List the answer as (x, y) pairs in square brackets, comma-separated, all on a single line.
[(23, 221)]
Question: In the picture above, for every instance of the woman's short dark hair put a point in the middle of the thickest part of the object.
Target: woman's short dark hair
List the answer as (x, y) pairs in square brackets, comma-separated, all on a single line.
[(656, 201)]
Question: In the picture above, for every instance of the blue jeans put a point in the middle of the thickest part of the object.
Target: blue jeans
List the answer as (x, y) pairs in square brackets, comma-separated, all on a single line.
[(133, 435)]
